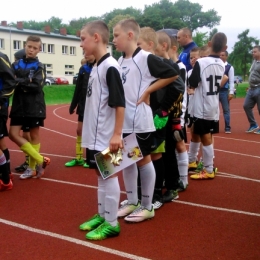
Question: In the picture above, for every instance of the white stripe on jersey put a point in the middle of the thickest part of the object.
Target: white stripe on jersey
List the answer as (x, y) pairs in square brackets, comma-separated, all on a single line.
[(206, 97), (136, 79)]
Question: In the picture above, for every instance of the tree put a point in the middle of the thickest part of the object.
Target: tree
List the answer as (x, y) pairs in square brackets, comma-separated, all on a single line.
[(241, 57)]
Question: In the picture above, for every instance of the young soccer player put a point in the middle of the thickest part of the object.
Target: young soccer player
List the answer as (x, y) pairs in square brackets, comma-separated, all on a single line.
[(102, 126), (78, 101), (26, 131), (7, 81), (28, 107), (139, 70), (206, 78), (176, 152)]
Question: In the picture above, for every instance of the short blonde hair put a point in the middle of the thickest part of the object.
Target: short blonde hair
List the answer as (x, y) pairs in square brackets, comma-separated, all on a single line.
[(130, 25), (98, 27), (148, 34), (164, 38)]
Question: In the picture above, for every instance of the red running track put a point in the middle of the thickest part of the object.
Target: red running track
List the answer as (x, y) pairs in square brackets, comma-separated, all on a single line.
[(216, 219)]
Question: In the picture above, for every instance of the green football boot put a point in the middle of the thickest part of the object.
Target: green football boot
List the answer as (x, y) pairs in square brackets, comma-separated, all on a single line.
[(74, 162), (92, 223), (103, 231)]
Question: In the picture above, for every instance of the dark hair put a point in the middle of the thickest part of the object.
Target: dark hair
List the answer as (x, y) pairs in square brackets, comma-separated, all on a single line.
[(34, 38), (98, 27), (218, 42), (257, 47)]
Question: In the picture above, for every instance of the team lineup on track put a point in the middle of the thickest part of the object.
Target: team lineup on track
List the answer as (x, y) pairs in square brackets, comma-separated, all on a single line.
[(212, 219)]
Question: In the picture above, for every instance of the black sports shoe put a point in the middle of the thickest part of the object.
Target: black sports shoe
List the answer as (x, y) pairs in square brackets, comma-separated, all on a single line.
[(22, 167), (170, 195)]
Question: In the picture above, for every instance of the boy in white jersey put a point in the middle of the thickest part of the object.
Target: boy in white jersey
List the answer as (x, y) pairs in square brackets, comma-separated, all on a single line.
[(206, 77), (102, 125), (139, 70)]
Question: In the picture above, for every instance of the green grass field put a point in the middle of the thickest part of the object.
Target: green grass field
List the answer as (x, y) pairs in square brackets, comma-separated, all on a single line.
[(62, 94), (241, 89), (58, 94)]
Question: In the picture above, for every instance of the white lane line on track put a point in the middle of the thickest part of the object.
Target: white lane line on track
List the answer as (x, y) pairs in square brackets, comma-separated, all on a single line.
[(54, 112), (217, 208), (240, 140), (57, 132), (233, 176), (180, 201), (72, 240)]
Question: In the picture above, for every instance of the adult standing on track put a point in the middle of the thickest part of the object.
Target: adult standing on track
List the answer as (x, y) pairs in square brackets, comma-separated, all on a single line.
[(226, 93), (253, 93), (184, 38)]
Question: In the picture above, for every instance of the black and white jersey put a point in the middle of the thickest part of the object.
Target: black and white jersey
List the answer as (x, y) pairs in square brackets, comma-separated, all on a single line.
[(104, 93), (206, 77), (138, 72)]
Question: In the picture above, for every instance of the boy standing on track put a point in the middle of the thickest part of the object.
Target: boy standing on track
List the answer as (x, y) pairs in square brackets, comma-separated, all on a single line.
[(78, 101), (102, 126), (7, 81), (141, 71), (206, 77), (28, 107)]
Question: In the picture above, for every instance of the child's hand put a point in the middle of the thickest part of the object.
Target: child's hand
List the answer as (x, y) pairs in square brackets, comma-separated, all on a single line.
[(191, 91), (144, 98), (115, 143)]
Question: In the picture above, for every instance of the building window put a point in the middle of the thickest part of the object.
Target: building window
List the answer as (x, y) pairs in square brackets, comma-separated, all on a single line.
[(72, 50), (64, 49), (50, 48), (43, 47), (49, 72), (69, 67), (1, 43), (17, 45), (24, 43), (69, 73), (48, 66)]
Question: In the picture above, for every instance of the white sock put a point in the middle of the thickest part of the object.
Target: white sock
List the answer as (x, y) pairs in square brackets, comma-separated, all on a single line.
[(207, 155), (101, 196), (112, 200), (183, 163), (130, 175), (147, 176), (193, 151)]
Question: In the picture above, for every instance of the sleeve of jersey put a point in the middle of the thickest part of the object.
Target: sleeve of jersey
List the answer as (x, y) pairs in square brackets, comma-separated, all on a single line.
[(183, 74), (7, 74), (76, 94), (116, 89), (231, 79), (160, 69), (194, 78)]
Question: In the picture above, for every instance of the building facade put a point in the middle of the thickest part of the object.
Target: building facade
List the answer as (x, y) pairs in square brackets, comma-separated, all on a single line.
[(61, 53)]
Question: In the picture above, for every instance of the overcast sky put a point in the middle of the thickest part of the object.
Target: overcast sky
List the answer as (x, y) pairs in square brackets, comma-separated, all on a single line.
[(235, 16)]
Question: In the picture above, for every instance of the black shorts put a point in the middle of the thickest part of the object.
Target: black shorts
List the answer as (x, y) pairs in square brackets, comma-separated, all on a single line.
[(202, 126), (3, 127), (80, 118), (27, 122), (91, 159), (144, 141)]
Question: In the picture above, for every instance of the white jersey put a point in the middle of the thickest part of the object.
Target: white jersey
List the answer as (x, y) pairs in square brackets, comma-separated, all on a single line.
[(206, 77), (138, 72), (104, 93)]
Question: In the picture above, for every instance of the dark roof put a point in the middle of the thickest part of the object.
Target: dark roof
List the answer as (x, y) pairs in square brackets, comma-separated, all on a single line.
[(39, 33)]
